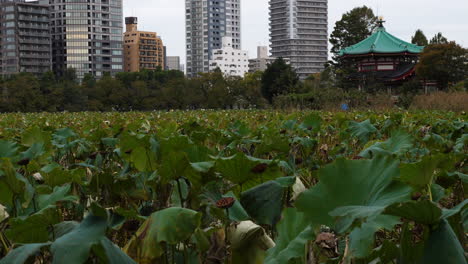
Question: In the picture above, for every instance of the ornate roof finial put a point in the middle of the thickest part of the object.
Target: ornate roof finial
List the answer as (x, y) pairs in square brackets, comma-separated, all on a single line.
[(381, 21)]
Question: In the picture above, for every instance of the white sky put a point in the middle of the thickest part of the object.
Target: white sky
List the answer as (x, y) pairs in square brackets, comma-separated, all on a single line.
[(403, 17)]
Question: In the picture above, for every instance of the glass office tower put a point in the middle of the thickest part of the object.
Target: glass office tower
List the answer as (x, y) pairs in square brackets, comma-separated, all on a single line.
[(87, 35)]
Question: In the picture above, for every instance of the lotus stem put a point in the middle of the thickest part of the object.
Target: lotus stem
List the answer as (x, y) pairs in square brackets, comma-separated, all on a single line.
[(180, 194), (4, 242), (429, 190)]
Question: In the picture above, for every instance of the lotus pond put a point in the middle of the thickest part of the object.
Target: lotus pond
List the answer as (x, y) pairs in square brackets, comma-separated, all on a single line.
[(234, 187)]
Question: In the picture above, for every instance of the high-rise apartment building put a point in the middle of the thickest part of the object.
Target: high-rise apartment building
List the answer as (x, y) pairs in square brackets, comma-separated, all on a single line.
[(25, 44), (298, 31), (87, 35), (142, 49), (207, 22)]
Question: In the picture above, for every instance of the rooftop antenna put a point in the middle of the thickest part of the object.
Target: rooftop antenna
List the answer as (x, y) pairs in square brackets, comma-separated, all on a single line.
[(378, 8)]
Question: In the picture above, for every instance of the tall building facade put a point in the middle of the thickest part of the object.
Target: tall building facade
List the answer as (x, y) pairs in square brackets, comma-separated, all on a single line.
[(207, 22), (142, 49), (87, 36), (299, 31), (25, 43), (173, 63)]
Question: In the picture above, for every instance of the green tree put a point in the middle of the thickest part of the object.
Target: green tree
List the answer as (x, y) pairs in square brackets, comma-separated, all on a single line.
[(439, 39), (252, 85), (52, 92), (74, 99), (278, 78), (444, 63), (23, 94), (109, 94), (354, 26), (419, 38), (139, 96), (173, 94)]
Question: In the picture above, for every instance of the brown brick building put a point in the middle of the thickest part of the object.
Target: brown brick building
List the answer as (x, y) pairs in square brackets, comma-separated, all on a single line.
[(142, 50)]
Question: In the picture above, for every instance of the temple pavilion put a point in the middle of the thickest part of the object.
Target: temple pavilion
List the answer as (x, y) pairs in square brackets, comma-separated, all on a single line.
[(382, 58)]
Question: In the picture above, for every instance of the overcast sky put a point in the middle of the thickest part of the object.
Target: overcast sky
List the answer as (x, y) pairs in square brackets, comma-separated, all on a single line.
[(403, 17)]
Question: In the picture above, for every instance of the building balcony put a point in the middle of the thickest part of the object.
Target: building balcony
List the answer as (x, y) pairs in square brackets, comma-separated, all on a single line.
[(35, 41)]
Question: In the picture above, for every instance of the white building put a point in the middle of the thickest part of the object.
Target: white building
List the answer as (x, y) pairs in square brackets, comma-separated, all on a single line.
[(231, 61)]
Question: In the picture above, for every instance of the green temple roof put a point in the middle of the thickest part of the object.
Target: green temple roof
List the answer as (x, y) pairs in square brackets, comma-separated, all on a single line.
[(381, 42)]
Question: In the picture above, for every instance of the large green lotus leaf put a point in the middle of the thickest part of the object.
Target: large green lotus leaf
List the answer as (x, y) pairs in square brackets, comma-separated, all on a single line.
[(143, 159), (423, 212), (111, 254), (63, 228), (63, 134), (464, 218), (447, 213), (21, 254), (203, 166), (129, 142), (264, 202), (294, 232), (461, 143), (363, 187), (35, 135), (15, 181), (174, 144), (362, 239), (60, 194), (237, 212), (386, 253), (54, 175), (172, 225), (173, 166), (143, 246), (363, 130), (272, 141), (311, 122), (75, 246), (7, 149), (33, 229), (6, 195), (410, 252), (241, 169), (422, 173), (13, 184), (397, 144), (35, 151), (443, 247)]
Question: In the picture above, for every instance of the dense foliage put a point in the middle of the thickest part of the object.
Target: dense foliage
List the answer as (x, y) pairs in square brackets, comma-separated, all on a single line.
[(419, 38), (279, 78), (445, 63), (233, 187), (146, 90)]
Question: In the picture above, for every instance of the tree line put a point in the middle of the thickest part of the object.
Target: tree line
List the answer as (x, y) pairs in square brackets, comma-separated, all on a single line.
[(143, 91)]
